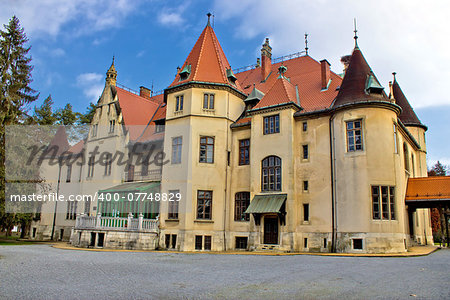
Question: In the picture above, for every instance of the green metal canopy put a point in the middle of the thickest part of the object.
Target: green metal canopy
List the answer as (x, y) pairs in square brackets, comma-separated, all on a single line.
[(270, 203), (129, 187)]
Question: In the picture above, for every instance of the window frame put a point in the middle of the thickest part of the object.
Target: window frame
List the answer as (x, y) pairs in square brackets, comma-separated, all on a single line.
[(202, 202), (173, 207), (205, 158), (69, 173), (108, 164), (244, 152), (351, 135), (305, 152), (271, 124), (112, 125), (241, 203), (383, 202), (177, 148), (179, 103), (276, 174), (91, 164), (209, 101)]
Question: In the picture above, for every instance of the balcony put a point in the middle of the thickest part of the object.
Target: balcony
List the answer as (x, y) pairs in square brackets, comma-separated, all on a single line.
[(150, 175), (84, 222)]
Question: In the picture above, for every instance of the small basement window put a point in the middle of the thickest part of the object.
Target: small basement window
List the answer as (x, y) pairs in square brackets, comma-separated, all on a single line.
[(241, 242), (357, 244)]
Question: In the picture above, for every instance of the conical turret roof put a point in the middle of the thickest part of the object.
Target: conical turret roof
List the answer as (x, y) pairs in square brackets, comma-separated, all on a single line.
[(206, 63), (407, 116), (360, 83)]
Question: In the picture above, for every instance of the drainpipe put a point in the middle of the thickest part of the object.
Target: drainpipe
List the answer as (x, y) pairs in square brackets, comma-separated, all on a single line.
[(333, 180), (228, 158), (56, 202)]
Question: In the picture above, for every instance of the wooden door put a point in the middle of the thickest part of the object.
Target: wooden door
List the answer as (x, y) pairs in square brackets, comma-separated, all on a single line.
[(271, 230)]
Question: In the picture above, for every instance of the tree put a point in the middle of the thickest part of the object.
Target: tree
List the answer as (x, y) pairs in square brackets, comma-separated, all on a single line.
[(86, 118), (44, 115), (438, 170), (67, 116), (15, 94)]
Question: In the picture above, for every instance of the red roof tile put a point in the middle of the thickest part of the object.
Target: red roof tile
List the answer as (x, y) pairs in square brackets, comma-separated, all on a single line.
[(136, 111), (160, 113), (353, 87), (407, 116), (305, 72), (282, 91), (77, 148), (437, 187), (208, 61)]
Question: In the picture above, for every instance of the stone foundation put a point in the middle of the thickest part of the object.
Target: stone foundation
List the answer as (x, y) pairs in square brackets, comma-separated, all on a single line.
[(114, 239)]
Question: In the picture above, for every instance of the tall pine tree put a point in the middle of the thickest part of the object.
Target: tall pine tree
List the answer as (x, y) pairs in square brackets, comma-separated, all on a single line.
[(15, 94), (44, 115)]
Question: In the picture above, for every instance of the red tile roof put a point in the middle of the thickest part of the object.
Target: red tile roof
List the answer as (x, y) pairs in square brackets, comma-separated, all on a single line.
[(407, 116), (437, 187), (353, 85), (282, 91), (305, 72), (208, 61), (77, 148), (136, 111), (160, 113)]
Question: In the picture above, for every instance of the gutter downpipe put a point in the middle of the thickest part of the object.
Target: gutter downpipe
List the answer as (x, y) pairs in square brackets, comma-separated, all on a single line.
[(228, 158), (333, 188), (56, 202)]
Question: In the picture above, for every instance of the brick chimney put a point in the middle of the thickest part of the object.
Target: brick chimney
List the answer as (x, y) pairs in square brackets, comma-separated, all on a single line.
[(266, 59), (325, 73), (145, 92)]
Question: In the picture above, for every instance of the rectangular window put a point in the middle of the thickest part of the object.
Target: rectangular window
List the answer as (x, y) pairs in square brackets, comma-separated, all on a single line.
[(325, 245), (357, 244), (207, 245), (198, 242), (176, 149), (159, 128), (179, 103), (305, 152), (208, 101), (305, 126), (354, 136), (112, 125), (241, 242), (94, 130), (244, 152), (272, 124), (173, 205), (71, 210), (91, 163), (204, 205), (305, 185), (395, 139), (383, 202), (206, 149), (306, 212), (108, 164), (174, 241), (69, 173), (87, 207), (242, 201), (167, 241), (305, 242)]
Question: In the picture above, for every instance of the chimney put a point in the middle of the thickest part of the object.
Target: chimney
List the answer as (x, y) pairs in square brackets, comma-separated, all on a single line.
[(145, 92), (266, 59), (325, 73)]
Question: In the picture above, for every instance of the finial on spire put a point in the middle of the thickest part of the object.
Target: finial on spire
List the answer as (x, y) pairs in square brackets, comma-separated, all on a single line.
[(113, 59), (356, 33), (209, 17), (394, 73), (306, 43)]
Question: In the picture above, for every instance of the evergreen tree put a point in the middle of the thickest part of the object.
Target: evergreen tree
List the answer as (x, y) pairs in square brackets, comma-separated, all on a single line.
[(67, 116), (86, 118), (15, 94), (438, 170), (44, 115)]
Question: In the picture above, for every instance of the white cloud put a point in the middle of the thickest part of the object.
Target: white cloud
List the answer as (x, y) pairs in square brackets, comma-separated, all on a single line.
[(409, 37), (140, 53), (58, 52), (45, 18), (91, 84), (170, 19)]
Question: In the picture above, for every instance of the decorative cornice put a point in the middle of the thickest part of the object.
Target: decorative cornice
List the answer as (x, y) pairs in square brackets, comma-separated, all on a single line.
[(204, 85)]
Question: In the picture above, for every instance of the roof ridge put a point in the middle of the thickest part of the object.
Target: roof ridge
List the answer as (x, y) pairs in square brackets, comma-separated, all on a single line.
[(216, 49)]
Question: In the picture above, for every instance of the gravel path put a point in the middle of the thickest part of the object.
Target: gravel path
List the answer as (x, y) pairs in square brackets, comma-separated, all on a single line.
[(43, 272)]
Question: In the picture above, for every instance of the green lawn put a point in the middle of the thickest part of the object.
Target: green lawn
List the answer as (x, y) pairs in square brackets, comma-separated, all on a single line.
[(12, 240)]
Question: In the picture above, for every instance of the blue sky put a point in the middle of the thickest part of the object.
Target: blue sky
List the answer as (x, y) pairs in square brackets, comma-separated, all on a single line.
[(73, 43)]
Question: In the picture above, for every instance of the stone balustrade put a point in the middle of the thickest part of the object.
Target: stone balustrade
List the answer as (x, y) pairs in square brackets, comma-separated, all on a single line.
[(115, 223)]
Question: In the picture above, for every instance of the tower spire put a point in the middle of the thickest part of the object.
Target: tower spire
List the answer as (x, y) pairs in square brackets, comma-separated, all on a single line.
[(306, 43), (209, 17), (356, 33), (111, 74)]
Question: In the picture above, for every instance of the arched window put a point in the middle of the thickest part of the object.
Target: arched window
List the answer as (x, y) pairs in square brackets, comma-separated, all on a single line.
[(271, 174), (406, 157)]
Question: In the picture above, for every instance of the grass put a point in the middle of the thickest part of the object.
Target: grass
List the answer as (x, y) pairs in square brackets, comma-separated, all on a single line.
[(12, 240)]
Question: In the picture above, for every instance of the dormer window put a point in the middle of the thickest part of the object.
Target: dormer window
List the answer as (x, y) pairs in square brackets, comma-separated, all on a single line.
[(184, 74), (372, 85), (231, 77)]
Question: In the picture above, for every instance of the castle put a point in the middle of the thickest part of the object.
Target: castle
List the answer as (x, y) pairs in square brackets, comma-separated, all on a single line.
[(281, 156)]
